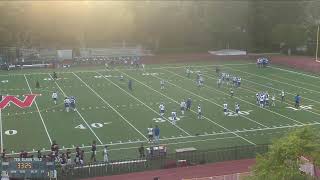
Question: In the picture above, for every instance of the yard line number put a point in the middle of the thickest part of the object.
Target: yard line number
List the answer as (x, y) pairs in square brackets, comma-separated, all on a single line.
[(94, 125)]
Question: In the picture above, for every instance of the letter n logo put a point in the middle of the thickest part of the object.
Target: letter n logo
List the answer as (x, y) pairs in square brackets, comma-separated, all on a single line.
[(27, 102)]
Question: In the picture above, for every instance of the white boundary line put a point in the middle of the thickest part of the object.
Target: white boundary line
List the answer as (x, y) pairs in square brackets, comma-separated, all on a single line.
[(294, 72), (249, 89), (110, 106), (191, 110), (65, 95), (195, 112), (251, 74), (143, 104), (213, 89), (299, 82), (98, 70), (211, 100), (187, 137), (35, 101)]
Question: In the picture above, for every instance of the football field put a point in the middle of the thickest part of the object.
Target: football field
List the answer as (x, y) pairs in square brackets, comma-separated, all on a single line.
[(111, 114)]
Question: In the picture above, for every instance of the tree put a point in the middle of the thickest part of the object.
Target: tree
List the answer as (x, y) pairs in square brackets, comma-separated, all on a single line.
[(283, 159)]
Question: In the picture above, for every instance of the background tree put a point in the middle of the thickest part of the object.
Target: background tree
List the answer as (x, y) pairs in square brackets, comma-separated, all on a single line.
[(282, 162)]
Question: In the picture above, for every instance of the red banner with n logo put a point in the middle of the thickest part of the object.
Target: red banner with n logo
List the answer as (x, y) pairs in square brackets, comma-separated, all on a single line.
[(27, 102)]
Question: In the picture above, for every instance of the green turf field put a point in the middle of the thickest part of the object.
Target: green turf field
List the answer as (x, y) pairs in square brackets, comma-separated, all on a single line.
[(111, 114)]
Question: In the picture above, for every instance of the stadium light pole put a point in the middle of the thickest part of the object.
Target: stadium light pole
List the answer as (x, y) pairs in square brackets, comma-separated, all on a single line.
[(317, 46)]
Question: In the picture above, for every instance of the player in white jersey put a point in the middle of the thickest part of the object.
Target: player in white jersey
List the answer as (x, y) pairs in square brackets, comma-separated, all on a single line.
[(67, 104), (162, 84), (199, 112), (121, 77), (267, 99), (237, 109), (282, 95), (227, 78), (238, 81), (225, 109), (183, 106), (143, 66), (219, 82), (54, 97), (261, 100), (273, 99), (201, 80), (150, 134), (162, 109), (174, 117)]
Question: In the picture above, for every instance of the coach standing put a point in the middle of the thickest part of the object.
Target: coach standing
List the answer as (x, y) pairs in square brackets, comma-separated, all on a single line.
[(156, 134), (297, 101)]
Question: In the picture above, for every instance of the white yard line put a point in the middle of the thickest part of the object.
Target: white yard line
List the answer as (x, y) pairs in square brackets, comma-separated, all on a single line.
[(102, 70), (307, 75), (1, 149), (211, 100), (299, 82), (65, 95), (110, 106), (35, 101), (188, 137), (280, 82), (191, 110), (143, 103), (254, 104)]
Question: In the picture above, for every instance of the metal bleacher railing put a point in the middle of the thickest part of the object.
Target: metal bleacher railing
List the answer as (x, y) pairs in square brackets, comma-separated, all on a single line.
[(160, 162)]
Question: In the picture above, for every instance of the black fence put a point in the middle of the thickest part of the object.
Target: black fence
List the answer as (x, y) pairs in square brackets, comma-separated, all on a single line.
[(161, 162)]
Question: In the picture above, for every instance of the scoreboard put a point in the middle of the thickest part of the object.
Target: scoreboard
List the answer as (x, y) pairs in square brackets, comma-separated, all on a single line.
[(28, 168)]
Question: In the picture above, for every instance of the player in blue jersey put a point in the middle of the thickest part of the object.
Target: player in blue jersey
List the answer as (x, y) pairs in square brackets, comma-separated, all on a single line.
[(297, 99), (189, 104), (73, 103), (130, 85)]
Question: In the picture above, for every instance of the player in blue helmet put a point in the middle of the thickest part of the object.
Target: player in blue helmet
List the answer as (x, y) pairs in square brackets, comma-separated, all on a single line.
[(73, 103)]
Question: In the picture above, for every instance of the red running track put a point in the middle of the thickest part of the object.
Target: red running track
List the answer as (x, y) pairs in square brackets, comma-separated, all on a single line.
[(207, 170)]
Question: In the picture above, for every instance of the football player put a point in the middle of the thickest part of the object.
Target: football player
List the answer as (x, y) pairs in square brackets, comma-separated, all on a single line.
[(162, 109), (73, 103), (273, 99), (150, 134), (199, 112), (231, 92), (282, 95), (66, 103), (174, 117), (225, 108), (183, 106), (54, 97), (237, 109), (162, 84)]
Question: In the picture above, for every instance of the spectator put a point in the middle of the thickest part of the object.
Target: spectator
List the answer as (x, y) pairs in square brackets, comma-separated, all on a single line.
[(68, 154), (106, 154), (82, 157), (93, 150), (3, 155), (141, 151), (39, 154)]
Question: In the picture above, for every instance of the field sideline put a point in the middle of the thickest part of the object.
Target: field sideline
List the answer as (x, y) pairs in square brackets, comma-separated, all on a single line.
[(111, 114)]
